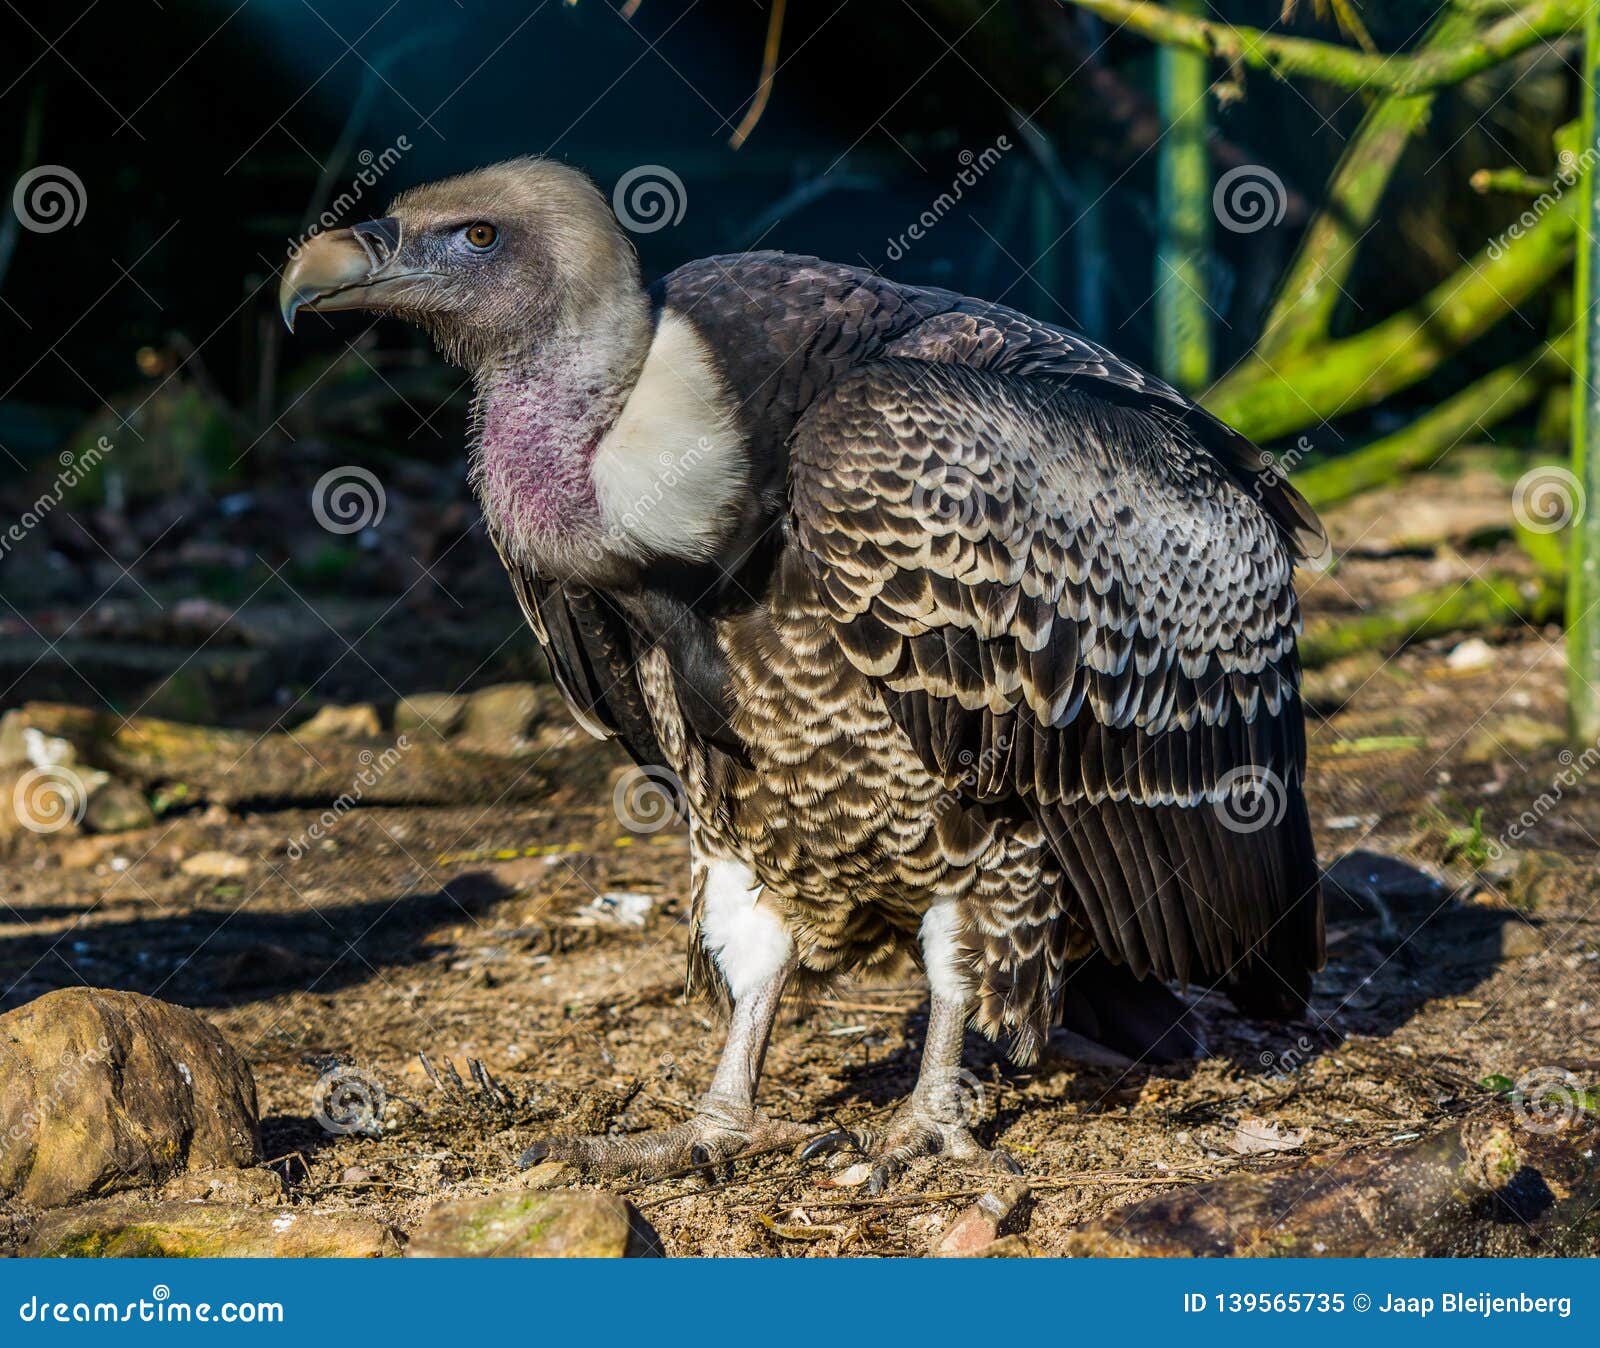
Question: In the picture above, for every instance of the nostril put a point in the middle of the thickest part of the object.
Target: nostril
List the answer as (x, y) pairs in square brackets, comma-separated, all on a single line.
[(380, 238)]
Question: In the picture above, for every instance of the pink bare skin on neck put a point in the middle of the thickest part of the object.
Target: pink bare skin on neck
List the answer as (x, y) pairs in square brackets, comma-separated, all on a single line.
[(542, 420)]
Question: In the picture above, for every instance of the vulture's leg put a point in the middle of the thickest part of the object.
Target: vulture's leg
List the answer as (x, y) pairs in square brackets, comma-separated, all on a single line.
[(756, 956), (937, 1117)]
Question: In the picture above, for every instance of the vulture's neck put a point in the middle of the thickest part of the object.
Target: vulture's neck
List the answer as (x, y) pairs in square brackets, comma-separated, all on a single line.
[(609, 450), (540, 416)]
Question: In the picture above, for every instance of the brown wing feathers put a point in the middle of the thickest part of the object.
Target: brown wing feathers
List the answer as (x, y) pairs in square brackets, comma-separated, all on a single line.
[(1078, 597)]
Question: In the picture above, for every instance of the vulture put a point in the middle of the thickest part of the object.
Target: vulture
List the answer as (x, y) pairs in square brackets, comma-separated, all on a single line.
[(961, 637)]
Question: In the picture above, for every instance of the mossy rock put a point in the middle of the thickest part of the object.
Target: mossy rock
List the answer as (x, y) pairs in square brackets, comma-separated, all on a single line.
[(534, 1224), (131, 1228)]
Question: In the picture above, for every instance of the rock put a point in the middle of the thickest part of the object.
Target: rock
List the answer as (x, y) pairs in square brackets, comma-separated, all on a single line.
[(1364, 885), (622, 907), (226, 1185), (436, 714), (359, 722), (534, 1224), (1010, 1247), (1260, 1137), (13, 752), (117, 808), (130, 1227), (550, 1175), (35, 802), (82, 854), (1489, 1185), (357, 1174), (1512, 737), (1473, 653), (203, 620), (215, 865), (45, 789), (102, 1091), (1543, 878), (500, 719), (1519, 938), (976, 1228)]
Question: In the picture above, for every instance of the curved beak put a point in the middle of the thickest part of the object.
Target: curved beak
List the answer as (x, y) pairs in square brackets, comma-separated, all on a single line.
[(342, 269)]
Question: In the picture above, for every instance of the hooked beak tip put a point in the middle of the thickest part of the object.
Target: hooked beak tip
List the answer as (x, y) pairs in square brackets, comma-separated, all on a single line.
[(337, 269)]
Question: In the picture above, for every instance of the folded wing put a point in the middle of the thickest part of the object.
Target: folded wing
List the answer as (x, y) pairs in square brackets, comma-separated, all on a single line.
[(1075, 608)]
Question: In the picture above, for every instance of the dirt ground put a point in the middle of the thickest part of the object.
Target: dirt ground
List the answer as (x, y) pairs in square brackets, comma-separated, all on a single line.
[(508, 931)]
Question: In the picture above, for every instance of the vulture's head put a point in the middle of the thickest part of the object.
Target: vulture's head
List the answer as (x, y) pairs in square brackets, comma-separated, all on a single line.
[(522, 275), (489, 262)]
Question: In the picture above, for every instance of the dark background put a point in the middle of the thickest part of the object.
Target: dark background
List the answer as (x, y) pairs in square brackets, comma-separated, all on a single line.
[(206, 134)]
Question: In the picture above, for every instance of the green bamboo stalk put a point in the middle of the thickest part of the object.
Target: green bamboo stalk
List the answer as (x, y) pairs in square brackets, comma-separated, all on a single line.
[(1310, 290), (1430, 437), (1266, 398), (1583, 582), (1183, 190), (1346, 67)]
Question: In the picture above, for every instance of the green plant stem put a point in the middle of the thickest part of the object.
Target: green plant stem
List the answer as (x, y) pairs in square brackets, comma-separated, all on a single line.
[(1311, 289), (1491, 602), (1183, 176), (1346, 67), (1421, 444), (1267, 395), (1583, 630)]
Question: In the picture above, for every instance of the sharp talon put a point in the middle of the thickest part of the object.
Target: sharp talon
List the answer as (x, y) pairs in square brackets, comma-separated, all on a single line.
[(536, 1153), (485, 1083), (454, 1076), (431, 1070), (878, 1181), (1007, 1161), (700, 1156), (828, 1143), (494, 1088)]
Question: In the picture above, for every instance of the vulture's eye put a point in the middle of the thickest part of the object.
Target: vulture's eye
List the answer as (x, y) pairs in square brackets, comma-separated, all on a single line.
[(481, 236)]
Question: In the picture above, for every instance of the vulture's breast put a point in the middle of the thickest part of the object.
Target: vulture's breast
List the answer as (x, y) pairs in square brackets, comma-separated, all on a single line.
[(848, 831)]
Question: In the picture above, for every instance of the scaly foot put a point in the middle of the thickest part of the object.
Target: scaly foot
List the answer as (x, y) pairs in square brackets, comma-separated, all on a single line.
[(917, 1128), (720, 1131)]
